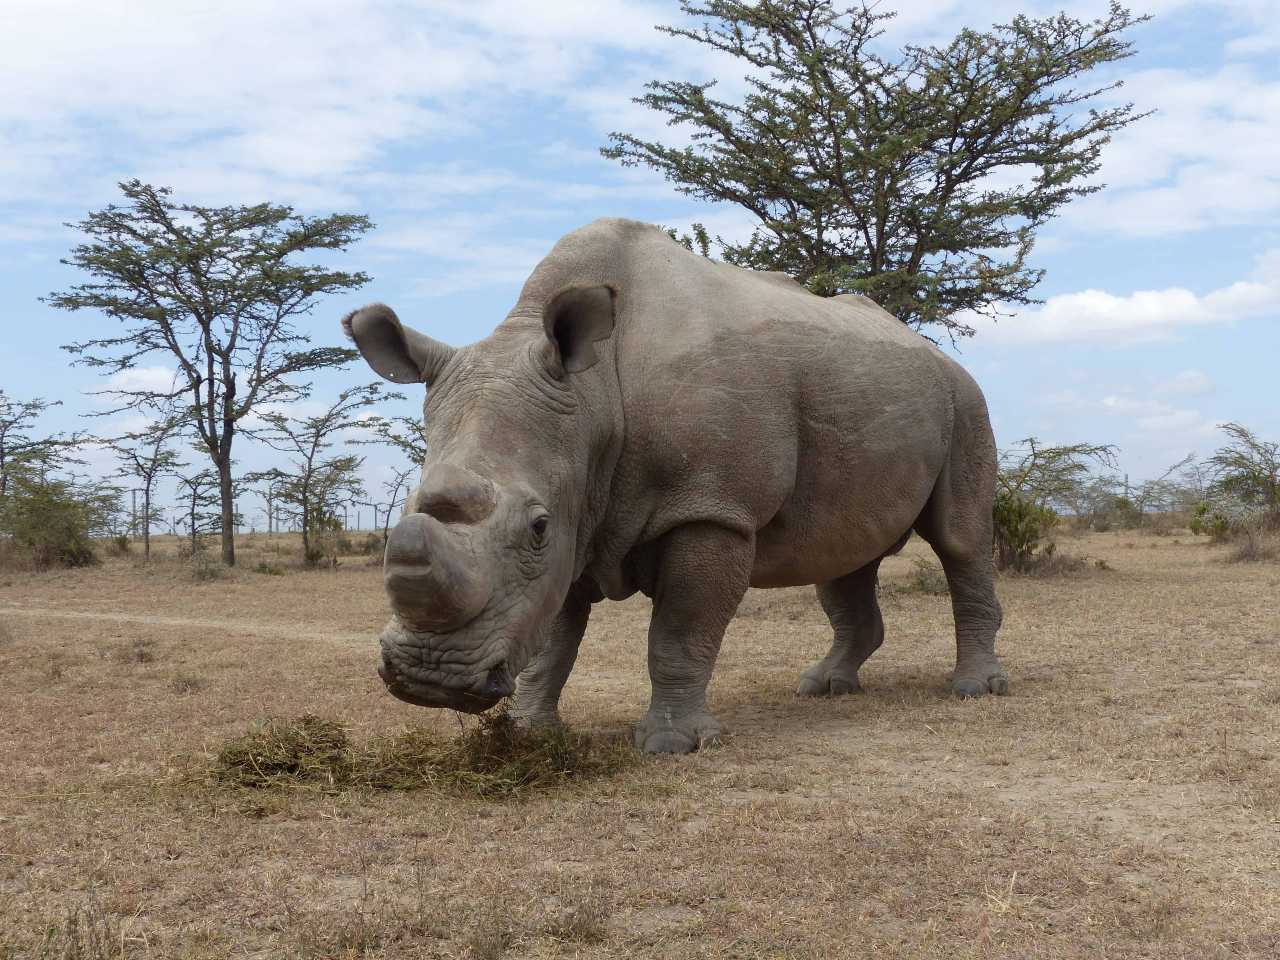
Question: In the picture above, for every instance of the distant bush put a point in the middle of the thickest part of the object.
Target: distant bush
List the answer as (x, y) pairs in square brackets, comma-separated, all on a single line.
[(49, 523), (317, 556), (205, 568), (928, 578), (1206, 520), (1022, 530), (1252, 527), (1032, 478), (1254, 546)]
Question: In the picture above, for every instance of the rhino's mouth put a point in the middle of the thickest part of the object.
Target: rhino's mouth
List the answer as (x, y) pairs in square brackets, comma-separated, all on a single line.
[(476, 696)]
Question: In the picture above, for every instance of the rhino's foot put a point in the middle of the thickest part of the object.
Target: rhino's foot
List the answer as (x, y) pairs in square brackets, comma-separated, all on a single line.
[(825, 679), (539, 718), (666, 732), (978, 681)]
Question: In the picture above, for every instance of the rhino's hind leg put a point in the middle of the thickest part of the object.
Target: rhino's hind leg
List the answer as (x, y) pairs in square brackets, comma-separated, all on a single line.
[(977, 615), (537, 697), (957, 523), (850, 604), (702, 573)]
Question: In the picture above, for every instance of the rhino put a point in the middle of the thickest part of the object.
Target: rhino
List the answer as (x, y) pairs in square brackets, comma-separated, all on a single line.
[(647, 419)]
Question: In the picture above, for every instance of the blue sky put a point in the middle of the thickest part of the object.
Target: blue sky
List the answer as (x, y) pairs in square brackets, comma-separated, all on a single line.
[(469, 133)]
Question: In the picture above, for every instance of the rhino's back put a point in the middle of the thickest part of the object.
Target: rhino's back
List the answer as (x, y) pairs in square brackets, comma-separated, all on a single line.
[(819, 424)]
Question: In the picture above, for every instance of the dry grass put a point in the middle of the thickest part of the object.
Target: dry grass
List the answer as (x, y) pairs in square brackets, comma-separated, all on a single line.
[(494, 760), (1123, 802), (1254, 546)]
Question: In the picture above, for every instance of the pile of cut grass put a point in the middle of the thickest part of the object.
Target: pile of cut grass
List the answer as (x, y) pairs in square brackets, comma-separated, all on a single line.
[(495, 760)]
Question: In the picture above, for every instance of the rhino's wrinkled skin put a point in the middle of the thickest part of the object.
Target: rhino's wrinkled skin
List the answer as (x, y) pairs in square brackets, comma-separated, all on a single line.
[(646, 419)]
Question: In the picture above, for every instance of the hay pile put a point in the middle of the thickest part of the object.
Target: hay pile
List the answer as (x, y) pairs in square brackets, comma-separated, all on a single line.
[(495, 760)]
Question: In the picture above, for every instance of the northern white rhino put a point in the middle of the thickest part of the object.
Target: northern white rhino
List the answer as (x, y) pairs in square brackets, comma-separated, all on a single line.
[(647, 419)]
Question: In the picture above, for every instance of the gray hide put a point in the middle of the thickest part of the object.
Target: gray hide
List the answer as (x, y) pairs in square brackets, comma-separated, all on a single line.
[(646, 419)]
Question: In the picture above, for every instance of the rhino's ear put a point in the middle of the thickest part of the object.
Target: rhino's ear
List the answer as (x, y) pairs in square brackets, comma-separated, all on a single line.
[(396, 352), (575, 319)]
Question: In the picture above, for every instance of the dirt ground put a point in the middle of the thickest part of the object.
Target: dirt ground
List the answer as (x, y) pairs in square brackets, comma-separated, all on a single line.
[(1124, 801)]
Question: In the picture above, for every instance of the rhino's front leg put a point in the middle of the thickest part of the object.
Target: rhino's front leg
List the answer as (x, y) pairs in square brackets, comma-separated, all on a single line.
[(703, 571), (537, 698)]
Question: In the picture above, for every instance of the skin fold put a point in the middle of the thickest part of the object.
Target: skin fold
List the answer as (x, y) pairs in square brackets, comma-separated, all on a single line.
[(649, 420)]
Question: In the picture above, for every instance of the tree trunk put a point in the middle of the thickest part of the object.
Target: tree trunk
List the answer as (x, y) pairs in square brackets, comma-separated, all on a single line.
[(146, 526), (228, 512)]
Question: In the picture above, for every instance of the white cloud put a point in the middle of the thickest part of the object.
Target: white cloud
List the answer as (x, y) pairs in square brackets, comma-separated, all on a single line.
[(1185, 383), (240, 95), (1151, 433), (1144, 315), (157, 379), (1209, 157), (462, 252)]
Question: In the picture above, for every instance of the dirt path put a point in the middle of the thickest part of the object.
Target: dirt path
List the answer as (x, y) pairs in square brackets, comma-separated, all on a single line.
[(238, 625)]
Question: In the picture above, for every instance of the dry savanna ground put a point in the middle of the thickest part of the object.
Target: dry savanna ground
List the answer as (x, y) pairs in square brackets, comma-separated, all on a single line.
[(1124, 801)]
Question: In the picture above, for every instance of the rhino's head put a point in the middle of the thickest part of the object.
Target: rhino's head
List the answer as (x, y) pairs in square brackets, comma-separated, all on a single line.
[(484, 554)]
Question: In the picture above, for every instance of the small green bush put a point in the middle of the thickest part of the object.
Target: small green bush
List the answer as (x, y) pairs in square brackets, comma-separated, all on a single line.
[(1021, 529), (928, 578), (268, 569), (1207, 520), (48, 523)]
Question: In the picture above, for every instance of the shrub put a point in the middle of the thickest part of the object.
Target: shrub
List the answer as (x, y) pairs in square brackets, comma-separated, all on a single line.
[(1206, 520), (1254, 546), (928, 578), (1021, 529), (1031, 478), (50, 522), (204, 569), (268, 569), (316, 556), (1249, 525), (118, 546)]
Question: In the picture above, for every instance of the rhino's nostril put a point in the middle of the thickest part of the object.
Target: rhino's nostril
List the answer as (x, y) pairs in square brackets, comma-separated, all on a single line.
[(498, 684)]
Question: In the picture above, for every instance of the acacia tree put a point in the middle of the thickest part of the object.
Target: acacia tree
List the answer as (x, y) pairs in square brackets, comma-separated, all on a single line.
[(1160, 494), (318, 483), (19, 448), (215, 290), (1247, 469), (146, 455), (199, 505), (1033, 479), (404, 435), (918, 180), (270, 486)]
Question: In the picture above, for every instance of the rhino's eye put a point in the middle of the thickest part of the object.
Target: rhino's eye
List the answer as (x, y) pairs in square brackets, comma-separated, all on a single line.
[(539, 527)]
